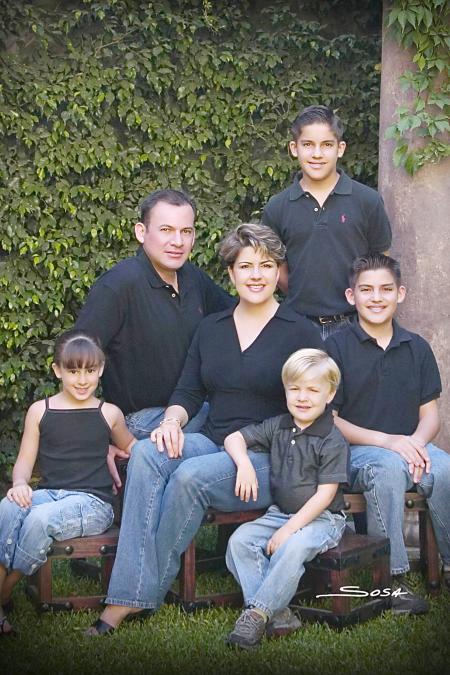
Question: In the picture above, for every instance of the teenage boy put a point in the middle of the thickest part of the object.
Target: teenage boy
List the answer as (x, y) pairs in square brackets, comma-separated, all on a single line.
[(309, 459), (387, 411), (325, 219)]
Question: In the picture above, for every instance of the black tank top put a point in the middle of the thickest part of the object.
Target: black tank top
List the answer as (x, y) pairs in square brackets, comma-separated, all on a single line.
[(73, 446)]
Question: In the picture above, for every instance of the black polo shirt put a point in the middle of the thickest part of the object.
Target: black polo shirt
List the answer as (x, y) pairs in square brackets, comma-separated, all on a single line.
[(383, 389), (243, 387), (146, 327), (322, 242), (301, 460)]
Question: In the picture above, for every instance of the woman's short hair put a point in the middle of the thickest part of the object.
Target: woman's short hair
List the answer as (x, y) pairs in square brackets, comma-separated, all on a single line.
[(311, 359), (259, 237), (78, 349)]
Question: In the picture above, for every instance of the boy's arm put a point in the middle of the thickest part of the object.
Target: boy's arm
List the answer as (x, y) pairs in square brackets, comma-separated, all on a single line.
[(246, 480), (411, 448), (309, 511), (21, 492)]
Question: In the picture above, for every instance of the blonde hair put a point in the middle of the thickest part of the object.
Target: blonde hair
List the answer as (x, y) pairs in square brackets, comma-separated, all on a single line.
[(307, 359)]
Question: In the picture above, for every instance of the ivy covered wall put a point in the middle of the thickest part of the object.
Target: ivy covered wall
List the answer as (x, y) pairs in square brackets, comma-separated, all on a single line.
[(104, 101)]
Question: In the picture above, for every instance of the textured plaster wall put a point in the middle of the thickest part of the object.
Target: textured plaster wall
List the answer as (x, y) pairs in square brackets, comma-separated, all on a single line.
[(419, 209)]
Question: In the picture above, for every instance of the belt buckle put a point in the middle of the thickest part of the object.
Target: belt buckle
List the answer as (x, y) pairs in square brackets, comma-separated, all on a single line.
[(323, 320)]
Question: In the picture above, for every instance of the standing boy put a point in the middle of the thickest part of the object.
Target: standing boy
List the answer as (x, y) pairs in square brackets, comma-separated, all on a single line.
[(308, 461), (387, 411), (326, 220)]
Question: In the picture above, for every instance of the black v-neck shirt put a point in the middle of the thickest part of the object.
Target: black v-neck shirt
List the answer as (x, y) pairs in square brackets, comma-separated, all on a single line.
[(243, 387)]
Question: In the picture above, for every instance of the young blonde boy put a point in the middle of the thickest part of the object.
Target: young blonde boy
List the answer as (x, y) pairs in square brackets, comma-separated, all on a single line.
[(309, 460)]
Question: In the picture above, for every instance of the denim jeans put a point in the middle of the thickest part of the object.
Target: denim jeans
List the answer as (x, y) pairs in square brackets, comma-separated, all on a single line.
[(26, 533), (384, 478), (270, 582), (142, 422), (165, 500)]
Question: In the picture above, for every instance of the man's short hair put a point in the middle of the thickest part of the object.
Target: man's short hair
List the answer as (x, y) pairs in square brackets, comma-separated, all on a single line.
[(173, 197), (259, 237), (317, 360), (317, 114), (374, 261)]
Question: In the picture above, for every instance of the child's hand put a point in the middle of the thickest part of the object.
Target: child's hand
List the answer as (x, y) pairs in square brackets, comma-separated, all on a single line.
[(278, 539), (20, 494), (246, 482)]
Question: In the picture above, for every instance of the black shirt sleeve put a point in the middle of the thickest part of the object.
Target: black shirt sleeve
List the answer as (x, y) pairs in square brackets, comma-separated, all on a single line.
[(259, 437), (190, 391), (333, 351), (430, 379), (101, 314), (379, 231), (215, 298), (333, 460)]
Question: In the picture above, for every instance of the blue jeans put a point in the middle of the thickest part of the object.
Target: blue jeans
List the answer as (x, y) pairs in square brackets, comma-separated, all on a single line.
[(142, 422), (165, 500), (26, 533), (383, 477), (270, 582)]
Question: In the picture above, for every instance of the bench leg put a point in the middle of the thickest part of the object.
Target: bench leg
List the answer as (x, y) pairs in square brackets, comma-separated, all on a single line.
[(187, 577), (429, 555), (340, 605)]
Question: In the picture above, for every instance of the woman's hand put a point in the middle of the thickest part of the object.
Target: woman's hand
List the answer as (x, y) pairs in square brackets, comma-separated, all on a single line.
[(169, 436), (20, 494), (246, 482)]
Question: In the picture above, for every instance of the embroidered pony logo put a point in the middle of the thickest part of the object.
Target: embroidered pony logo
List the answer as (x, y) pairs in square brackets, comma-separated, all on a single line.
[(343, 218)]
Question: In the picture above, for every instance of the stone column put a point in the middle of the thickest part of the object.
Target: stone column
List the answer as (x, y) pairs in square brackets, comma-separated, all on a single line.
[(419, 209)]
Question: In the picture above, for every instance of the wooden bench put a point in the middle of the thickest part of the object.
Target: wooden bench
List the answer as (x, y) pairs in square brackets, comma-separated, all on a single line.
[(40, 590), (40, 585), (354, 503)]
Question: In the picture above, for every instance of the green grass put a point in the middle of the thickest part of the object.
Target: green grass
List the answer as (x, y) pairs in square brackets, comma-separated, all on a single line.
[(175, 642)]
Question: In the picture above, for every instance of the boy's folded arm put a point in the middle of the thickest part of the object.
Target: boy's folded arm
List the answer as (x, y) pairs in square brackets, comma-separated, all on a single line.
[(315, 505), (246, 481), (411, 448)]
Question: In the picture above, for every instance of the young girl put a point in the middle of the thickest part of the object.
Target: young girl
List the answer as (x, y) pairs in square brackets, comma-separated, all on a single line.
[(70, 434)]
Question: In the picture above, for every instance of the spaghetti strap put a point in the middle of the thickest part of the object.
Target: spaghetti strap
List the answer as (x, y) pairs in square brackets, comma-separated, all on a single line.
[(100, 406), (47, 405)]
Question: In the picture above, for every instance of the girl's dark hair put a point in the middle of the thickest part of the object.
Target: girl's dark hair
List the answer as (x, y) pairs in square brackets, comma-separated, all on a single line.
[(78, 349)]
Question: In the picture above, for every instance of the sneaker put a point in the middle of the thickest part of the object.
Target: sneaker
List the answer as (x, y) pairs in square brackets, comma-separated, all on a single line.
[(284, 622), (409, 602), (248, 630)]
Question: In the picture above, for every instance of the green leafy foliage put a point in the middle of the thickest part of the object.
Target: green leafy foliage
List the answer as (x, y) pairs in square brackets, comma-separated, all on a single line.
[(422, 128), (103, 101)]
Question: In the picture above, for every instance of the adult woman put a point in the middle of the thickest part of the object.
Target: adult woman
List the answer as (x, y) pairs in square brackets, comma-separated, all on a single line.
[(235, 360)]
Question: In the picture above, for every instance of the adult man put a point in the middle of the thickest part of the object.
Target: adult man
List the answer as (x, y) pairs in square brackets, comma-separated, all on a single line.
[(145, 311)]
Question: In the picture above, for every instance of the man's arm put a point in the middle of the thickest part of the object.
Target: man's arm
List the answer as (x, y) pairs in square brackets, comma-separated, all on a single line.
[(100, 314), (283, 281)]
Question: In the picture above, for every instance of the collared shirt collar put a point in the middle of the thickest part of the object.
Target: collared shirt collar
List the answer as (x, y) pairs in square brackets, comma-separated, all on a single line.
[(152, 275), (283, 312), (342, 187), (399, 334), (320, 427)]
